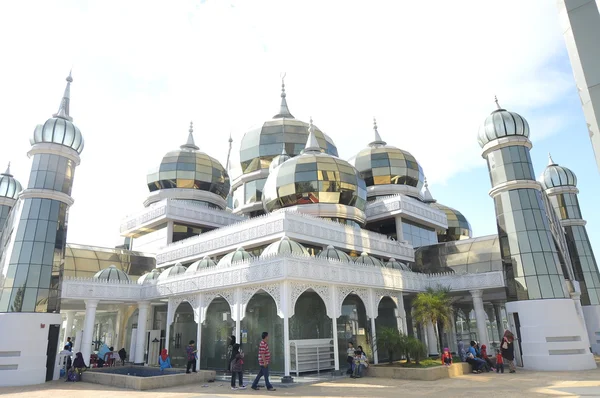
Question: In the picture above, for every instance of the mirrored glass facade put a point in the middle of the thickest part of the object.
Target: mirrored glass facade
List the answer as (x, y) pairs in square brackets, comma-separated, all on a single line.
[(187, 168), (531, 261), (52, 172), (314, 178), (216, 330), (458, 226), (466, 256), (584, 264), (9, 187), (183, 329), (4, 211), (59, 131), (510, 163), (418, 235), (567, 206), (260, 145), (385, 165)]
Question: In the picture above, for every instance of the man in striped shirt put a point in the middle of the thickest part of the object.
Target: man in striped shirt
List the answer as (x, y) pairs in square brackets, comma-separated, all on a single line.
[(264, 358)]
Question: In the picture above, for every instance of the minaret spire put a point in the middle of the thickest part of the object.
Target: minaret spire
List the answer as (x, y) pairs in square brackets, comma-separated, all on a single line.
[(7, 172), (378, 140), (190, 144), (227, 165), (497, 103), (284, 111), (63, 109), (312, 145), (427, 197), (550, 161)]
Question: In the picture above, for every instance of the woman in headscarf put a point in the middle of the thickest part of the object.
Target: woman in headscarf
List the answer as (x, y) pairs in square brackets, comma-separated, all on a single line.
[(461, 351), (102, 355), (507, 349), (74, 374), (230, 353), (164, 360)]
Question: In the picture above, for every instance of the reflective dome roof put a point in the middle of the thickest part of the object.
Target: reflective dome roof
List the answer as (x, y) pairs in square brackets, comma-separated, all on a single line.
[(199, 265), (335, 254), (59, 129), (284, 246), (314, 177), (149, 277), (240, 254), (395, 264), (279, 160), (261, 144), (381, 164), (9, 186), (190, 168), (557, 176), (365, 259), (502, 123), (458, 225), (112, 273), (172, 271)]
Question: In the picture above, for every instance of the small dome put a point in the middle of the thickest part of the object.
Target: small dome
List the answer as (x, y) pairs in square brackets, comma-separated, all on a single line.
[(395, 264), (199, 265), (555, 176), (112, 273), (190, 168), (279, 160), (382, 164), (239, 255), (149, 277), (368, 260), (335, 254), (284, 246), (172, 271), (59, 129), (9, 186), (502, 123), (458, 225)]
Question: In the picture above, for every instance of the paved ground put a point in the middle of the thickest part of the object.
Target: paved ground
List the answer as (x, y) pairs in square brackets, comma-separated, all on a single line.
[(521, 384)]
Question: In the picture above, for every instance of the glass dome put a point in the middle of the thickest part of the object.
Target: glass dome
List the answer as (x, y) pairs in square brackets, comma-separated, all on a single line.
[(395, 264), (112, 273), (368, 260), (555, 176), (381, 164), (240, 254), (502, 123), (458, 226), (279, 160), (9, 186), (314, 177), (172, 271), (199, 265), (149, 277), (190, 168), (59, 129), (335, 254), (284, 246)]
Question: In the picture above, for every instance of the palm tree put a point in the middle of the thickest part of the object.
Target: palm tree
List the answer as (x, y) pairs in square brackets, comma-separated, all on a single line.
[(389, 339), (435, 306)]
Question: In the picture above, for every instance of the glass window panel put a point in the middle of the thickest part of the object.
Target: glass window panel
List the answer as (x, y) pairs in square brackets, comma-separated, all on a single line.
[(533, 288)]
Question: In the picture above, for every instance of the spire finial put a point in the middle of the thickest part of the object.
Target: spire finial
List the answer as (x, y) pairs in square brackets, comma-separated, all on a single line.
[(427, 197), (496, 101), (312, 145), (550, 161), (377, 140), (190, 144), (63, 109), (284, 111), (7, 172)]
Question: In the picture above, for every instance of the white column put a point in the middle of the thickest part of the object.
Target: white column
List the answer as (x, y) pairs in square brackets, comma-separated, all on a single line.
[(399, 233), (287, 354), (498, 314), (336, 346), (480, 317), (374, 340), (118, 329), (88, 329), (140, 343), (432, 340), (170, 316), (238, 316), (69, 327), (452, 334)]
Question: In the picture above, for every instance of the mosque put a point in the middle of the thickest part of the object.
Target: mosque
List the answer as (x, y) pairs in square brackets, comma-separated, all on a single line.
[(294, 240)]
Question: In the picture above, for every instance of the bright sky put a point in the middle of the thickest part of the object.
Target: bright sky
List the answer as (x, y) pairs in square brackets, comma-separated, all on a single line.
[(428, 70)]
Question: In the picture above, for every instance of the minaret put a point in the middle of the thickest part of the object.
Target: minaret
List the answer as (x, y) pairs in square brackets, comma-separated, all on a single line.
[(541, 312), (9, 191), (560, 184)]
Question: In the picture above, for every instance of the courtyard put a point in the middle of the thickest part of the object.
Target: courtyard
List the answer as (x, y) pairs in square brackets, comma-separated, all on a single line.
[(522, 383)]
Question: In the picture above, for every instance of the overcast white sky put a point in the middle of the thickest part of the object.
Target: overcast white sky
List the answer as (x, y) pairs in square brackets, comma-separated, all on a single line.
[(428, 70)]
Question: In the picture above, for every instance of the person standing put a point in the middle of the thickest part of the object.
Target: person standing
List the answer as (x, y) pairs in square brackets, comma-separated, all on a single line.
[(69, 344), (191, 357), (237, 367), (508, 350), (264, 359)]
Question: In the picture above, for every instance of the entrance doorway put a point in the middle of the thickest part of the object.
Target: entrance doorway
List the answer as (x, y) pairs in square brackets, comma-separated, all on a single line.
[(53, 333), (515, 325)]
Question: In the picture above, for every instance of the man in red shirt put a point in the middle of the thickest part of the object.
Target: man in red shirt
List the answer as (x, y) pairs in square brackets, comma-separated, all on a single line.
[(264, 359)]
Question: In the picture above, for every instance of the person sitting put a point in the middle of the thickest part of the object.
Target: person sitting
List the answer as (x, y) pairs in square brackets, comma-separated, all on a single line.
[(79, 366), (360, 363), (478, 365), (485, 357), (473, 349), (446, 357), (164, 360), (461, 351), (102, 354)]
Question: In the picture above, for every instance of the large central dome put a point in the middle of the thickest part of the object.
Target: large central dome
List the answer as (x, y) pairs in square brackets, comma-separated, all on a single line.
[(283, 133), (315, 178)]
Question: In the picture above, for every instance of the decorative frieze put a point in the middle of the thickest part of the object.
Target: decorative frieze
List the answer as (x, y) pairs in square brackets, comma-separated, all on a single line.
[(401, 204)]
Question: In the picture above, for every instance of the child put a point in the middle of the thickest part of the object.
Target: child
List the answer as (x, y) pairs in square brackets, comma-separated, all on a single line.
[(237, 367), (191, 357), (485, 357), (350, 358), (499, 362), (446, 357), (360, 363)]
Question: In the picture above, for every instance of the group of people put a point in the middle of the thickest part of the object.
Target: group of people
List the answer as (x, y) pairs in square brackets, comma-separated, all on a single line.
[(74, 368), (479, 359), (357, 361)]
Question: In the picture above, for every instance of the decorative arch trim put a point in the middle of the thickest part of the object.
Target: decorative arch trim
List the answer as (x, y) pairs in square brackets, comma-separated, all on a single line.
[(273, 290), (324, 291)]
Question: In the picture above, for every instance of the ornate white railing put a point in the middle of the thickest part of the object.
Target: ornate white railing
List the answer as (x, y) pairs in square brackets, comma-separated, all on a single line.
[(402, 204)]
